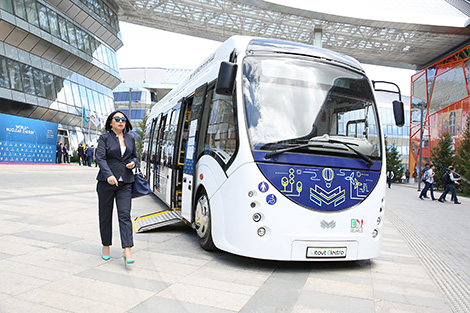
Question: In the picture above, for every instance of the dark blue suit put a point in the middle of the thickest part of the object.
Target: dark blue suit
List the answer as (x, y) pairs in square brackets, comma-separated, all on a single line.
[(112, 163)]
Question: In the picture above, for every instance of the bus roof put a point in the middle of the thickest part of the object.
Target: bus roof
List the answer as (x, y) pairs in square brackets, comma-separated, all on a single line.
[(262, 45)]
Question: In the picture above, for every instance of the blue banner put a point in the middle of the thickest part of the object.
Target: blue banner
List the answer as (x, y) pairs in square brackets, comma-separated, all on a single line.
[(24, 140)]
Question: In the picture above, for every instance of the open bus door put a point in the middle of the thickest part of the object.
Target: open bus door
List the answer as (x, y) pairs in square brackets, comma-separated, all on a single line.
[(150, 153), (193, 127), (185, 152), (179, 152)]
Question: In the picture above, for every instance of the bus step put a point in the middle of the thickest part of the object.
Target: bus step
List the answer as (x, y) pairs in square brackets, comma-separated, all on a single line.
[(155, 220)]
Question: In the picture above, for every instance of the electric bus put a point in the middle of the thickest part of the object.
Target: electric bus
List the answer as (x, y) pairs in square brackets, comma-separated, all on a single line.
[(272, 150)]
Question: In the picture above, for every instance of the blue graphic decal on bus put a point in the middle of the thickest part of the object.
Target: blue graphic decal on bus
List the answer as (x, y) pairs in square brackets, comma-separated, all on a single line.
[(321, 188), (263, 187)]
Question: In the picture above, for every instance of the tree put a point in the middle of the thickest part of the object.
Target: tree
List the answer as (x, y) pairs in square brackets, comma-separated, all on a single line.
[(139, 136), (394, 162), (462, 158), (442, 156)]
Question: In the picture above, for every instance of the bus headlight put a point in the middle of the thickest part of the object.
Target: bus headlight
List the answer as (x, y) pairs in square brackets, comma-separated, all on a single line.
[(261, 231), (375, 233), (257, 217)]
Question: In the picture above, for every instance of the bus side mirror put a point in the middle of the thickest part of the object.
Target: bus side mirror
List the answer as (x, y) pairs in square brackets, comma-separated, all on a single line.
[(226, 78), (399, 113)]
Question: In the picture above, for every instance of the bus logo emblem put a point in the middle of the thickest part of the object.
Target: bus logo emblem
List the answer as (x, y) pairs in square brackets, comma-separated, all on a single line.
[(324, 224), (357, 225)]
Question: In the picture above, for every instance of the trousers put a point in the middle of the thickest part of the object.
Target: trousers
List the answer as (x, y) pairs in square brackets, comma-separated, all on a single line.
[(428, 186), (122, 194), (451, 188)]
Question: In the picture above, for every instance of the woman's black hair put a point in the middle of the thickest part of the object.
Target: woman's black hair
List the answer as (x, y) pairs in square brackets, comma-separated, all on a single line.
[(109, 120)]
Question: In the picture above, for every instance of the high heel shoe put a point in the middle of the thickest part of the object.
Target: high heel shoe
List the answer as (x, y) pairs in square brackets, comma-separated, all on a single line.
[(105, 257), (128, 261)]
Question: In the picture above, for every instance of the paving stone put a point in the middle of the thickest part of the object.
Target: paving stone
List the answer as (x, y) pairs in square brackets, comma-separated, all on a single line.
[(50, 259)]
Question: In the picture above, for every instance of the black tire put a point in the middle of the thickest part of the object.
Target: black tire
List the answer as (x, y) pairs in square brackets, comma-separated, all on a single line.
[(202, 217)]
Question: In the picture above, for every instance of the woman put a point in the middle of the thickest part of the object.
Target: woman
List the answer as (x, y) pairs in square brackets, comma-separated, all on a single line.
[(116, 157)]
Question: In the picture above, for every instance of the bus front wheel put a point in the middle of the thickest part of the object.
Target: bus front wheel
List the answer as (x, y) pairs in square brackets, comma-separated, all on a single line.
[(203, 222)]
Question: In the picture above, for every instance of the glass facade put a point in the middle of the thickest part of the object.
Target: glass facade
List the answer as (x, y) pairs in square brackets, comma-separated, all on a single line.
[(62, 28), (55, 67), (36, 82), (396, 136), (441, 92)]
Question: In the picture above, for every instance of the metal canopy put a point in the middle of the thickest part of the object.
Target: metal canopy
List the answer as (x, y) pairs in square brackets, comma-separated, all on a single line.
[(403, 45)]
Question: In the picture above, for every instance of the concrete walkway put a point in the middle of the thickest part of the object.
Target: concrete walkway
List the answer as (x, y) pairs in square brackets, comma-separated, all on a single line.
[(50, 259)]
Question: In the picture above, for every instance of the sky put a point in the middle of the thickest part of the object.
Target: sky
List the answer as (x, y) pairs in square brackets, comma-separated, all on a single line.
[(149, 47)]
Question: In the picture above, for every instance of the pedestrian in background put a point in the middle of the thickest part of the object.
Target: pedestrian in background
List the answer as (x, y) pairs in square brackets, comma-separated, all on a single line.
[(116, 157), (58, 153), (424, 177), (81, 155), (390, 176), (89, 155), (85, 161), (407, 175), (428, 176), (65, 151), (450, 181)]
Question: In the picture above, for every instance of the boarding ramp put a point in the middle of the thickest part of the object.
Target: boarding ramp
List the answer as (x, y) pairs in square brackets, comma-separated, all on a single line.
[(156, 220)]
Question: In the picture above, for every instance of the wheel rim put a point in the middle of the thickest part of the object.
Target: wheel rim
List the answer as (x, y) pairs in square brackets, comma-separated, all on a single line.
[(202, 216)]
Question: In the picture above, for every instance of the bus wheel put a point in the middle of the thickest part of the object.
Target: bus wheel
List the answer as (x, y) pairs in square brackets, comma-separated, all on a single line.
[(203, 222)]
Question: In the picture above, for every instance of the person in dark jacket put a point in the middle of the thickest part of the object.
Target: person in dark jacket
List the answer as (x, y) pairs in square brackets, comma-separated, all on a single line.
[(90, 152), (450, 182), (65, 151), (58, 153), (81, 155), (116, 157)]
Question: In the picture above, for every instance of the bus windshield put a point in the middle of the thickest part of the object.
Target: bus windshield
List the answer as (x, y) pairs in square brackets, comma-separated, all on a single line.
[(299, 105)]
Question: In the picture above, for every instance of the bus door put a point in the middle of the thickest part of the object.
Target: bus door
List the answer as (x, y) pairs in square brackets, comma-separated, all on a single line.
[(190, 155), (158, 139), (181, 139), (149, 153)]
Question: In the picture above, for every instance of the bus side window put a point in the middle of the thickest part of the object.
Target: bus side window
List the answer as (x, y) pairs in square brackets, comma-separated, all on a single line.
[(222, 136)]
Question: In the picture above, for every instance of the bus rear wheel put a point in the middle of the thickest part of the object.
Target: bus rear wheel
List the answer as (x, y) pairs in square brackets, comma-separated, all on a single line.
[(203, 222)]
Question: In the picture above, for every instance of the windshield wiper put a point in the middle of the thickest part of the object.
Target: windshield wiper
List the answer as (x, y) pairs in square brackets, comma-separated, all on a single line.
[(270, 154), (368, 160)]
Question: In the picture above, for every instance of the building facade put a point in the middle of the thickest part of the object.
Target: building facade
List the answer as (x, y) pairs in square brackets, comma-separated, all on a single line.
[(395, 136), (57, 65), (143, 87), (441, 93)]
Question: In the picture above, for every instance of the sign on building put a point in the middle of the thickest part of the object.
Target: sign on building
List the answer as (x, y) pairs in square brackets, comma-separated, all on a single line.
[(24, 140)]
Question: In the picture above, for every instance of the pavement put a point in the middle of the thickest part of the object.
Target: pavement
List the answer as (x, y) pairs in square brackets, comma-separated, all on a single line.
[(50, 259)]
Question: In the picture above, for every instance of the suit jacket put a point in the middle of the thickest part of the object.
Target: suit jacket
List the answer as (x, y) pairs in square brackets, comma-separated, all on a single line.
[(109, 159)]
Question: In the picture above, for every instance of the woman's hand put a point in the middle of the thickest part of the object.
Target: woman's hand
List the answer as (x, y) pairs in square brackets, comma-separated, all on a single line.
[(112, 181), (130, 165)]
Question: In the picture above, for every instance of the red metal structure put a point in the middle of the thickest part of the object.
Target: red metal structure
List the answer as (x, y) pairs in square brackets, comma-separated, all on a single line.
[(441, 93)]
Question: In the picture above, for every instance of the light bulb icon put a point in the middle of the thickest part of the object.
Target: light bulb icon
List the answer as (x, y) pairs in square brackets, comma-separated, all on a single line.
[(328, 176)]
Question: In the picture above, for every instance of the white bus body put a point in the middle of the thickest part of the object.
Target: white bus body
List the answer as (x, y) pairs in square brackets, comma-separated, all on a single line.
[(286, 164)]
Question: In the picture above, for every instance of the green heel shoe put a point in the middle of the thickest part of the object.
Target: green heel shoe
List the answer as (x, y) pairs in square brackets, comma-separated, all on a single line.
[(105, 257), (128, 261)]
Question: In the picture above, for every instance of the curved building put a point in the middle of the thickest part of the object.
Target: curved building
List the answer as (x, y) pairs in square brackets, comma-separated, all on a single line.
[(57, 67)]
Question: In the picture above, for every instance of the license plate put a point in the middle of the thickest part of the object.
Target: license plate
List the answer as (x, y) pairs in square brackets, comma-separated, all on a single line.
[(321, 252)]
